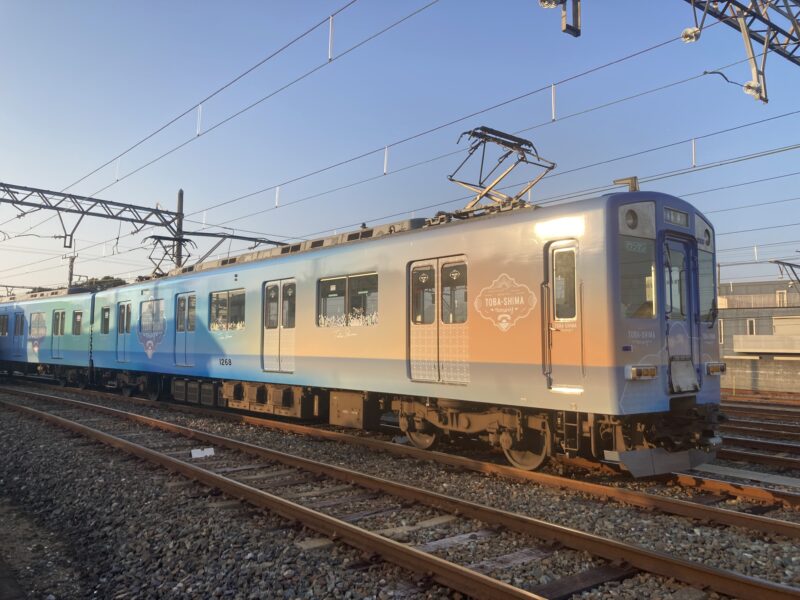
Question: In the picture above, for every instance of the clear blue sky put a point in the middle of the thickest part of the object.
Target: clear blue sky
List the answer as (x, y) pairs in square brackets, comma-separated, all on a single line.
[(82, 81)]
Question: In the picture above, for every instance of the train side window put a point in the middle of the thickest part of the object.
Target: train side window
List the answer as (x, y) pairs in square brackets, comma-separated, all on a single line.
[(271, 307), (180, 315), (227, 310), (38, 327), (151, 316), (751, 326), (721, 325), (423, 295), (77, 318), (105, 319), (362, 299), (191, 316), (564, 284), (637, 267), (288, 308), (332, 302), (3, 325), (454, 293)]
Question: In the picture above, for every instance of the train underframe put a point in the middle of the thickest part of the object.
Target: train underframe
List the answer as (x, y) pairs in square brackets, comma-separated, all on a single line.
[(643, 444)]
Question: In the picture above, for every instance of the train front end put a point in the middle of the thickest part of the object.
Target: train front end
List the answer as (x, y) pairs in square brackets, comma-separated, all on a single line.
[(669, 369)]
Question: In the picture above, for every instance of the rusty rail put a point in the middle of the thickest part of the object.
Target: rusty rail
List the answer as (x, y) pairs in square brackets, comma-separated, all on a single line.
[(755, 457), (634, 498), (444, 572)]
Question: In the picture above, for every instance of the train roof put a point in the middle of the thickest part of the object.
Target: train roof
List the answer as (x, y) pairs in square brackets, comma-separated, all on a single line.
[(362, 234)]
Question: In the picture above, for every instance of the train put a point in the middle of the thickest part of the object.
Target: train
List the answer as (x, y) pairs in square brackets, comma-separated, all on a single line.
[(583, 330)]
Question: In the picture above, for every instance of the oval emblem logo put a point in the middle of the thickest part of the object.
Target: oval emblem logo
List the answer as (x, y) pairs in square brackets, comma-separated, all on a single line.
[(505, 302)]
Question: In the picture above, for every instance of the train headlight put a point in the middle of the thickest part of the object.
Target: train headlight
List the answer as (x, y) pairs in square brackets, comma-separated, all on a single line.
[(716, 368), (636, 372)]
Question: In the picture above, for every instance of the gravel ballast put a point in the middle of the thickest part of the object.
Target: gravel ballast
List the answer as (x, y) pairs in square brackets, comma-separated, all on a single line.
[(127, 529), (743, 551)]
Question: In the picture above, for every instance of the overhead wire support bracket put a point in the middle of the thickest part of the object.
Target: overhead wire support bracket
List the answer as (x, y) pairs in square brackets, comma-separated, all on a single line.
[(484, 188), (791, 269), (773, 24), (27, 200)]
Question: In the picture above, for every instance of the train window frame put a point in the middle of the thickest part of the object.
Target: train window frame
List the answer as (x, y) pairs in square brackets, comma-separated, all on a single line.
[(225, 323), (670, 283), (721, 329), (288, 305), (751, 327), (38, 325), (637, 278), (462, 315), (150, 308), (365, 312), (556, 304), (105, 320), (707, 285), (77, 320), (350, 314), (422, 312), (58, 322), (191, 313), (272, 306), (19, 324), (180, 313), (3, 325), (123, 317)]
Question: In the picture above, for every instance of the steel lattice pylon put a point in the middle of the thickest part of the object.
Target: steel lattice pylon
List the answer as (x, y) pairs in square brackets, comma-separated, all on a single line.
[(773, 25)]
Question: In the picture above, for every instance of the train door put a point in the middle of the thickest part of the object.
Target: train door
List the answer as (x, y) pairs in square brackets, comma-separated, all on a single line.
[(278, 346), (678, 312), (123, 331), (185, 325), (57, 334), (562, 306), (438, 332), (19, 334)]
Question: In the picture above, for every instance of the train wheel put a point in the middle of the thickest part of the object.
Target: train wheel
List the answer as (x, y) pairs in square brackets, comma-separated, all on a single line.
[(423, 441), (534, 453)]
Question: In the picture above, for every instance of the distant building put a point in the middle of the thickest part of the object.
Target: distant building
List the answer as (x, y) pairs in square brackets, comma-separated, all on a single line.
[(759, 336)]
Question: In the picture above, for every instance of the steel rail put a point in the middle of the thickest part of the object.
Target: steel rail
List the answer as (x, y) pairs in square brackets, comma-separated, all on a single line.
[(444, 572), (754, 457), (671, 505), (761, 411), (632, 497), (771, 425), (768, 445), (765, 435)]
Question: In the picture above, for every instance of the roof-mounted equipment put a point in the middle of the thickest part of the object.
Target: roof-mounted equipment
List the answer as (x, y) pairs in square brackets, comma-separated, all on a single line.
[(487, 188)]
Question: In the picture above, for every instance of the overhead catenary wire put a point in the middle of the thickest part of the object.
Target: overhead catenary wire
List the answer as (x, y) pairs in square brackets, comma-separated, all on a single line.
[(716, 164), (247, 108), (567, 80), (425, 132)]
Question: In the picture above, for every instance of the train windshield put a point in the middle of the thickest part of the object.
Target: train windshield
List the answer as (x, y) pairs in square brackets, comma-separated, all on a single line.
[(637, 277)]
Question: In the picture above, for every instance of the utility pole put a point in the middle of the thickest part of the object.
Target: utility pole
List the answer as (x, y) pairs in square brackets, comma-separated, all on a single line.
[(71, 270), (179, 232)]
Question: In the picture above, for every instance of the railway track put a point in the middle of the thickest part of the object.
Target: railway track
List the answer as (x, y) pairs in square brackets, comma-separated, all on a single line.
[(323, 497), (710, 490)]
